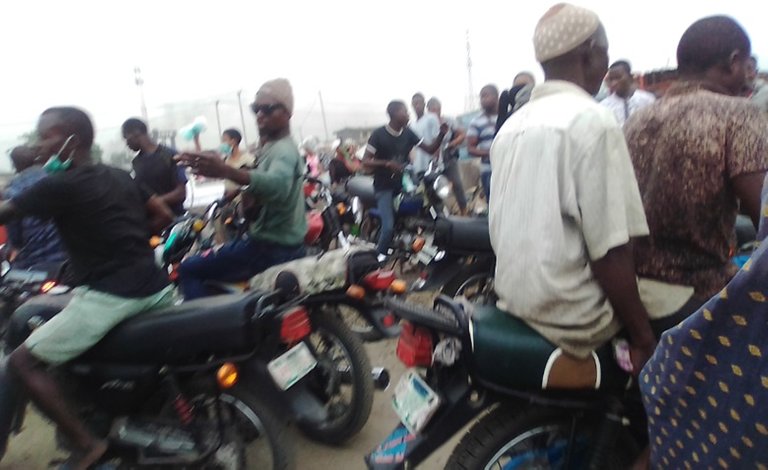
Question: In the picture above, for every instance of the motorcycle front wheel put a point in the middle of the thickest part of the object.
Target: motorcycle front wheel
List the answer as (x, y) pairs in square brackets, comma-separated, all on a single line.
[(341, 380), (509, 438), (474, 282)]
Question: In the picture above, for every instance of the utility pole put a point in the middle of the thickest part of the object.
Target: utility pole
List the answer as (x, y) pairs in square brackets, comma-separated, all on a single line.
[(242, 116), (140, 85), (322, 111), (218, 118), (470, 102)]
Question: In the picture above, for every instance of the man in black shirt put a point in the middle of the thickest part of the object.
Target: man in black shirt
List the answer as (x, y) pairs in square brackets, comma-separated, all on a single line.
[(387, 155), (154, 166), (105, 220)]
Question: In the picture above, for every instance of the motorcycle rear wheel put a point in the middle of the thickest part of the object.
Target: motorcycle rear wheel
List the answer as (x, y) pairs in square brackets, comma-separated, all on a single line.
[(510, 438), (341, 380)]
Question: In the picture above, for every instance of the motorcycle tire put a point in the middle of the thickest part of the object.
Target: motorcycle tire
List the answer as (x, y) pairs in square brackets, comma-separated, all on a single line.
[(359, 325), (506, 426), (327, 324), (264, 423), (456, 285)]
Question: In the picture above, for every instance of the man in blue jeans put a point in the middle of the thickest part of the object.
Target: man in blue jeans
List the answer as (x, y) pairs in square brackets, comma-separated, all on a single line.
[(387, 155), (276, 235)]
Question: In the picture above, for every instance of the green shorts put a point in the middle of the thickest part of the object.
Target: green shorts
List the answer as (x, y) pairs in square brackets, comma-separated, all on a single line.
[(86, 319)]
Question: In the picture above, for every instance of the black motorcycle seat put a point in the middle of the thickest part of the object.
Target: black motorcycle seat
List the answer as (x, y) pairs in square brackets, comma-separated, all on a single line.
[(171, 335), (199, 327), (467, 234), (510, 354), (362, 187)]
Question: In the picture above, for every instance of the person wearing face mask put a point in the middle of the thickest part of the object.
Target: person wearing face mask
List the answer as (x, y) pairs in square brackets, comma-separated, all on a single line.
[(105, 220), (235, 158)]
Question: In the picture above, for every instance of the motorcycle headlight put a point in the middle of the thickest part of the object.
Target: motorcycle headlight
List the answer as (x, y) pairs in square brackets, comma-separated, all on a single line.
[(442, 187)]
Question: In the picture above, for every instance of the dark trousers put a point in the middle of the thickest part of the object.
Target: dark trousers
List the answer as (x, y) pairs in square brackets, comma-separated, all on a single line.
[(385, 202), (451, 171), (235, 261)]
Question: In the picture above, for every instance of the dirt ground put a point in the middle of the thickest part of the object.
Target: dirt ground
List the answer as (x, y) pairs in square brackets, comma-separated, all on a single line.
[(34, 448)]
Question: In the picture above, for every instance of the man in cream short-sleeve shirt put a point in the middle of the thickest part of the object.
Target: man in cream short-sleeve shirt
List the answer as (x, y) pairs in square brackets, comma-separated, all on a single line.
[(565, 203)]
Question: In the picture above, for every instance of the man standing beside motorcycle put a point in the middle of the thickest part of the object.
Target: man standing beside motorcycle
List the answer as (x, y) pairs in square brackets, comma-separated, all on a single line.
[(387, 155), (277, 233), (562, 171), (105, 220)]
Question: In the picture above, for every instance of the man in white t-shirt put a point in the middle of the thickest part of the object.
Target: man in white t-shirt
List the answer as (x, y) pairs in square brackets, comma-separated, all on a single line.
[(426, 127), (625, 99), (565, 201)]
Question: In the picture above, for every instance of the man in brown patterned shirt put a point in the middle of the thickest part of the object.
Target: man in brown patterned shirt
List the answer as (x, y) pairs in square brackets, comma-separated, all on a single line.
[(700, 153)]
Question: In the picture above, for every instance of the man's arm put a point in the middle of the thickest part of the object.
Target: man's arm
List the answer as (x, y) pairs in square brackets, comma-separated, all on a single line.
[(459, 134), (615, 272), (748, 189), (371, 163), (159, 214), (211, 165), (176, 196), (474, 150), (435, 145), (8, 212)]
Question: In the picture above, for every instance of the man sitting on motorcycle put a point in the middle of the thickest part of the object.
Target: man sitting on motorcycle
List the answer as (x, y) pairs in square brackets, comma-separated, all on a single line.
[(34, 241), (105, 220), (387, 155), (277, 233), (565, 203)]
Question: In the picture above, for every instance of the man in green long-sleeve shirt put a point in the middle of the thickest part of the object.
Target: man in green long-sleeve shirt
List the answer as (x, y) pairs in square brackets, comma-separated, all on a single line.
[(277, 234)]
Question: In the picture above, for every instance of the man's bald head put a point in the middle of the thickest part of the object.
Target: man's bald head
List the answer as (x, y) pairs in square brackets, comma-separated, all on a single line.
[(524, 78)]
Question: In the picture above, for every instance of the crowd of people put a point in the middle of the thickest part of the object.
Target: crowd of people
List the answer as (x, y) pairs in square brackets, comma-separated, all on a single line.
[(611, 218)]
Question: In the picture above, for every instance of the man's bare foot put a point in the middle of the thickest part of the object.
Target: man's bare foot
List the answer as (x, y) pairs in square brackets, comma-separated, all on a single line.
[(90, 456)]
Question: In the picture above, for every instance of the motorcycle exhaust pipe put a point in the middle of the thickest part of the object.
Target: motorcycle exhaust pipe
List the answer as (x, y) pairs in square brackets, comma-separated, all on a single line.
[(380, 377)]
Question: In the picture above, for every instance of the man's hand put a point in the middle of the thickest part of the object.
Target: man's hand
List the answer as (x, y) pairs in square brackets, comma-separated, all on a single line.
[(205, 164), (639, 355), (444, 128)]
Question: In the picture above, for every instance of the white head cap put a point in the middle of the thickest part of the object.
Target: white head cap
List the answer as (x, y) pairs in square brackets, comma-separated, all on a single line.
[(562, 29)]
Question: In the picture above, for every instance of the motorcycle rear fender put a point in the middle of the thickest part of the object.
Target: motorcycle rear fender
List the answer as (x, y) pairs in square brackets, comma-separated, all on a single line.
[(296, 403), (457, 410), (370, 309), (439, 273)]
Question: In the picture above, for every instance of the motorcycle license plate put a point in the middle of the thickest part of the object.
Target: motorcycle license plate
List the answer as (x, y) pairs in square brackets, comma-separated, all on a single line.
[(292, 366), (414, 402)]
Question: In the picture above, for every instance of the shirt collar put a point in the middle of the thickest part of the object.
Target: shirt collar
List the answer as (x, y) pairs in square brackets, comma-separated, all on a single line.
[(554, 87), (393, 132)]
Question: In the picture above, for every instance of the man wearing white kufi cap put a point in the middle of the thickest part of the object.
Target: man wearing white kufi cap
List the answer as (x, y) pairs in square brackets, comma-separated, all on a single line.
[(565, 207)]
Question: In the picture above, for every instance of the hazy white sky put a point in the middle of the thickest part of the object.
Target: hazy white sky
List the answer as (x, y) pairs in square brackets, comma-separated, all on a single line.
[(360, 53)]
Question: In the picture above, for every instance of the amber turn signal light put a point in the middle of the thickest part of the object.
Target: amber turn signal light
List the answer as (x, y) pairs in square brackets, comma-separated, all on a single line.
[(155, 241), (398, 286), (227, 375), (356, 292), (198, 225), (418, 244)]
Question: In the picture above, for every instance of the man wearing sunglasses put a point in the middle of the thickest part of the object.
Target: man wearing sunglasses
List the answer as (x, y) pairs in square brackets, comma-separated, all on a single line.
[(277, 233)]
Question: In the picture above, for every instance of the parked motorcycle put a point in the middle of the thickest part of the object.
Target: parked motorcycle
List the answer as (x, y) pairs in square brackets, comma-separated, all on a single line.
[(190, 386), (416, 210), (461, 261), (490, 365), (19, 285)]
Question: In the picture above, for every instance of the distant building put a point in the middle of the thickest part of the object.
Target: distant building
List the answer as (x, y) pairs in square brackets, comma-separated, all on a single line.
[(357, 134)]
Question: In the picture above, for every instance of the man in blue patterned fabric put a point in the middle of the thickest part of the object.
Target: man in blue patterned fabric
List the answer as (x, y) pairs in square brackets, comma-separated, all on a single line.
[(33, 240)]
